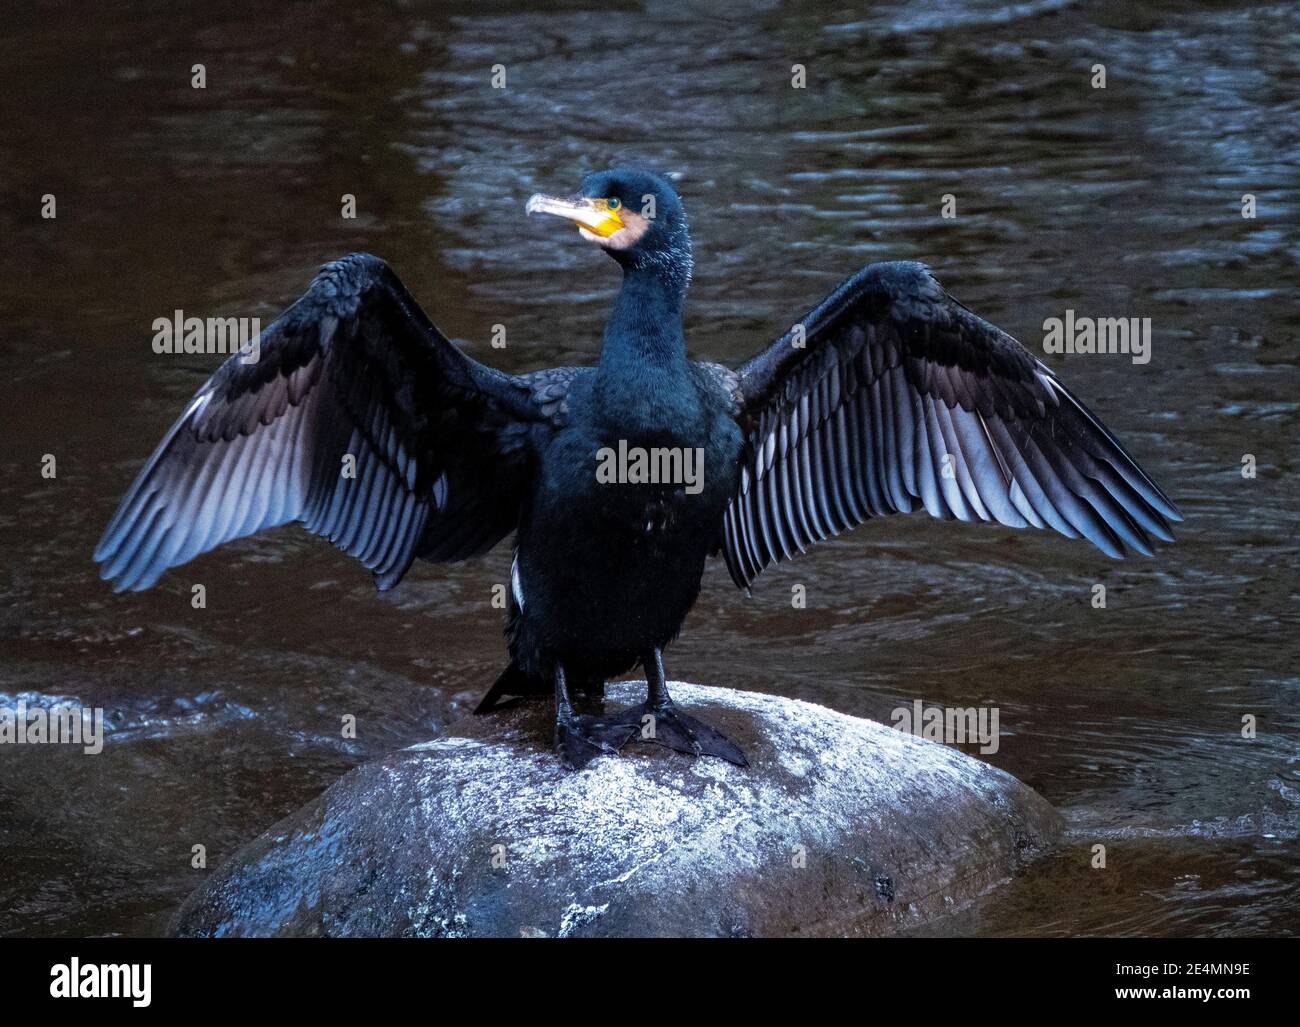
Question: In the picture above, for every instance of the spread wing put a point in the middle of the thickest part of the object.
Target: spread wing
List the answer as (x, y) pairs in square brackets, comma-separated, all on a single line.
[(895, 396), (360, 420)]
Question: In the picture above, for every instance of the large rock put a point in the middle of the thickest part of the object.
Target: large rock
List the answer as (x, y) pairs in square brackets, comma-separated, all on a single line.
[(840, 826)]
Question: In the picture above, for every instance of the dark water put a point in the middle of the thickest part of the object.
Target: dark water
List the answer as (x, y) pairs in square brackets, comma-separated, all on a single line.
[(1116, 203)]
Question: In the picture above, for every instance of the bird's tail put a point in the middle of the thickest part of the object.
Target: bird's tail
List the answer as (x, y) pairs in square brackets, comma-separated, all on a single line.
[(515, 681), (512, 682)]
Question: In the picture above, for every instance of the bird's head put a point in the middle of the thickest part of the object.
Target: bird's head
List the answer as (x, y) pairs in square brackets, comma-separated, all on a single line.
[(635, 216)]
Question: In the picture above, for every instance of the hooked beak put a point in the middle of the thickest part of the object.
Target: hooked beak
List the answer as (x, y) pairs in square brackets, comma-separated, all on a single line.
[(592, 216)]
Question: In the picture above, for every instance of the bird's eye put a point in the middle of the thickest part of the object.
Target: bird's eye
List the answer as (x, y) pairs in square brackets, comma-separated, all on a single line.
[(612, 203)]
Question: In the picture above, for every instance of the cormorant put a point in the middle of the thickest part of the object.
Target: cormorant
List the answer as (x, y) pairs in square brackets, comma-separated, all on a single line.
[(887, 396)]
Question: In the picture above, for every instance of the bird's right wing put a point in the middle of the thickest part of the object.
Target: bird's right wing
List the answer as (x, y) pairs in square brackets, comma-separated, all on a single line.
[(359, 419)]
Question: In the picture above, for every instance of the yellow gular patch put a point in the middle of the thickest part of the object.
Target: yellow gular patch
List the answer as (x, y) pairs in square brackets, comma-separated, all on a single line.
[(631, 231)]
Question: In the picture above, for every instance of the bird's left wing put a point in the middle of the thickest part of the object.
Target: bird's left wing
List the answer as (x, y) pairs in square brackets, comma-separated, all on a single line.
[(359, 419), (892, 395)]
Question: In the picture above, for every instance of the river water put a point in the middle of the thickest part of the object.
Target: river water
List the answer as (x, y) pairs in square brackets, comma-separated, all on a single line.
[(1117, 202)]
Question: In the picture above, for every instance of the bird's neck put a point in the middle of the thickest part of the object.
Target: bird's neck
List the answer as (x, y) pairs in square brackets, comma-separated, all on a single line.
[(644, 331)]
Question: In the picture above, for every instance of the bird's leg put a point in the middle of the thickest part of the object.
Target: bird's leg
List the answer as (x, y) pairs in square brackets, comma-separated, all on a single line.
[(578, 739), (660, 720)]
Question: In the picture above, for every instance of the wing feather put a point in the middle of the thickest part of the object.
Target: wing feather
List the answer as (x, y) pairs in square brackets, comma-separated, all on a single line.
[(352, 377), (897, 395)]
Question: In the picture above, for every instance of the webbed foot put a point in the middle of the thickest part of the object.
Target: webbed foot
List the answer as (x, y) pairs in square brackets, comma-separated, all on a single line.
[(580, 739), (665, 724)]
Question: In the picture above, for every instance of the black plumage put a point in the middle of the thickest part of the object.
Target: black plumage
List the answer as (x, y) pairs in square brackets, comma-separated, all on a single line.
[(888, 396)]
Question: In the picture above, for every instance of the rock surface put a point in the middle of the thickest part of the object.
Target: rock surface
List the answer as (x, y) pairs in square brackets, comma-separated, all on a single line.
[(840, 826)]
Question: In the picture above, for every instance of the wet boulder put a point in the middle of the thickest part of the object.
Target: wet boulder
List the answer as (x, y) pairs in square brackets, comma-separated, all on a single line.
[(840, 826)]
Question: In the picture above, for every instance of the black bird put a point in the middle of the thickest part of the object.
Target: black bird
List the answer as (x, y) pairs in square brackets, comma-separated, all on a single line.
[(887, 396)]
